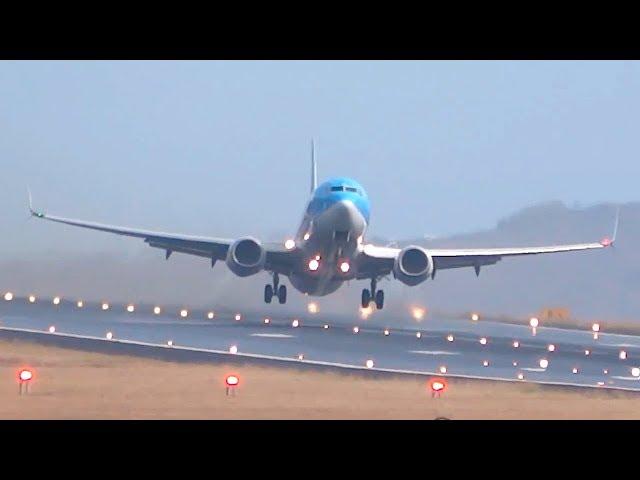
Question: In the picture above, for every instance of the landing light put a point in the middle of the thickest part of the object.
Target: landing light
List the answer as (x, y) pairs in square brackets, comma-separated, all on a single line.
[(314, 264), (289, 244), (344, 267), (418, 313), (313, 307)]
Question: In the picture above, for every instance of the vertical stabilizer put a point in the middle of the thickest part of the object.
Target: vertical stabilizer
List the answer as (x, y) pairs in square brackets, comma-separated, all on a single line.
[(314, 170)]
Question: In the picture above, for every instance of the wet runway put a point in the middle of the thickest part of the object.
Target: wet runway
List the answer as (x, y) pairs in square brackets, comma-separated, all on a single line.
[(440, 347)]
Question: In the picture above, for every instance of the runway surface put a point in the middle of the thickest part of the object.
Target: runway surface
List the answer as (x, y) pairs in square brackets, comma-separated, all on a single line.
[(455, 345)]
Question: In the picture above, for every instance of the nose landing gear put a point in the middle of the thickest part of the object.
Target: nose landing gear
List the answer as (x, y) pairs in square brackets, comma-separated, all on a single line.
[(373, 294), (279, 291)]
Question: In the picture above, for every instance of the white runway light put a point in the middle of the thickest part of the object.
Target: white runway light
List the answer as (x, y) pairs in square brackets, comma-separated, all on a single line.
[(356, 329), (534, 322), (369, 363), (386, 332), (233, 349), (313, 308), (325, 326), (418, 313), (551, 347), (595, 335), (52, 329), (485, 363), (210, 315), (450, 338), (267, 321), (544, 363), (622, 355), (109, 335), (184, 312), (475, 317), (575, 371), (443, 369), (170, 343), (587, 352), (295, 324), (156, 310), (56, 300), (635, 371), (238, 317), (516, 344), (520, 376), (418, 335), (301, 357), (314, 264), (483, 341), (344, 267), (32, 299), (130, 308), (605, 371), (79, 304), (8, 296), (290, 244), (515, 364), (105, 306), (595, 327)]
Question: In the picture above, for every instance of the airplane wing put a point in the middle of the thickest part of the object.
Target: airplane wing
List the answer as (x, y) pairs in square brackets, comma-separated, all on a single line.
[(379, 261), (278, 258)]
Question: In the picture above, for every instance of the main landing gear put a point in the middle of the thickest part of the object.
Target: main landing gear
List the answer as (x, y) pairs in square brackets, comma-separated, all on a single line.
[(373, 294), (279, 291)]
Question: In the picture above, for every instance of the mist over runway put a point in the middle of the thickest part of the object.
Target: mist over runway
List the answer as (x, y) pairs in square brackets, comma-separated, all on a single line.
[(481, 349)]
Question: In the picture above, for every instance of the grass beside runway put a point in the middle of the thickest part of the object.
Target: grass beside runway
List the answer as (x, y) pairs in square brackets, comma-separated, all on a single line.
[(72, 384)]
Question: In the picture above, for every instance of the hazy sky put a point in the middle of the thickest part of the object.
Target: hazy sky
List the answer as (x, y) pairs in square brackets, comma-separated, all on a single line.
[(222, 148)]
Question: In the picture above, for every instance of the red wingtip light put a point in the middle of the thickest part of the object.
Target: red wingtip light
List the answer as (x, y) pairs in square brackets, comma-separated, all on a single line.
[(606, 242)]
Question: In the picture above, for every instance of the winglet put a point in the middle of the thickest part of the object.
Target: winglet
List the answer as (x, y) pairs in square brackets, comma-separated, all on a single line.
[(607, 242), (31, 210)]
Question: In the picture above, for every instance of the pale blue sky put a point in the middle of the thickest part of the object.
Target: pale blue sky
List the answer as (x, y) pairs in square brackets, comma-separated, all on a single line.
[(221, 148)]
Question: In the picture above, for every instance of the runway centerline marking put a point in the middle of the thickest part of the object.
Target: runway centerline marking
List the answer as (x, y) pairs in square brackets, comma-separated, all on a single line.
[(433, 352), (536, 369), (271, 335)]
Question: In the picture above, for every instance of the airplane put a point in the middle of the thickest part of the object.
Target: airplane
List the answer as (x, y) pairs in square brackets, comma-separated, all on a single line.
[(328, 248)]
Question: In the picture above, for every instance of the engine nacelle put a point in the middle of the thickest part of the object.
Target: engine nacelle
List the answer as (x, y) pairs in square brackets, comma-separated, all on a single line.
[(246, 257), (413, 265)]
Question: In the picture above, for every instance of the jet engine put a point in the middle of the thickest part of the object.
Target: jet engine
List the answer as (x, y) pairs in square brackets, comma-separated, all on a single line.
[(413, 265), (246, 257)]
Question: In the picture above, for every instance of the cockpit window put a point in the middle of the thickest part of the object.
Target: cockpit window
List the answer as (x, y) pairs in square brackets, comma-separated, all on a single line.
[(351, 189), (337, 189)]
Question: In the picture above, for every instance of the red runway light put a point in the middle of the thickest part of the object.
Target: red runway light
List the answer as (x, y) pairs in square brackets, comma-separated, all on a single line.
[(25, 375), (437, 386), (232, 380)]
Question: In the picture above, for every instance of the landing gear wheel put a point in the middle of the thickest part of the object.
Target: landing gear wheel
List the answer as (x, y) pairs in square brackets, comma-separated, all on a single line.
[(268, 293), (366, 298), (379, 299), (282, 294)]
